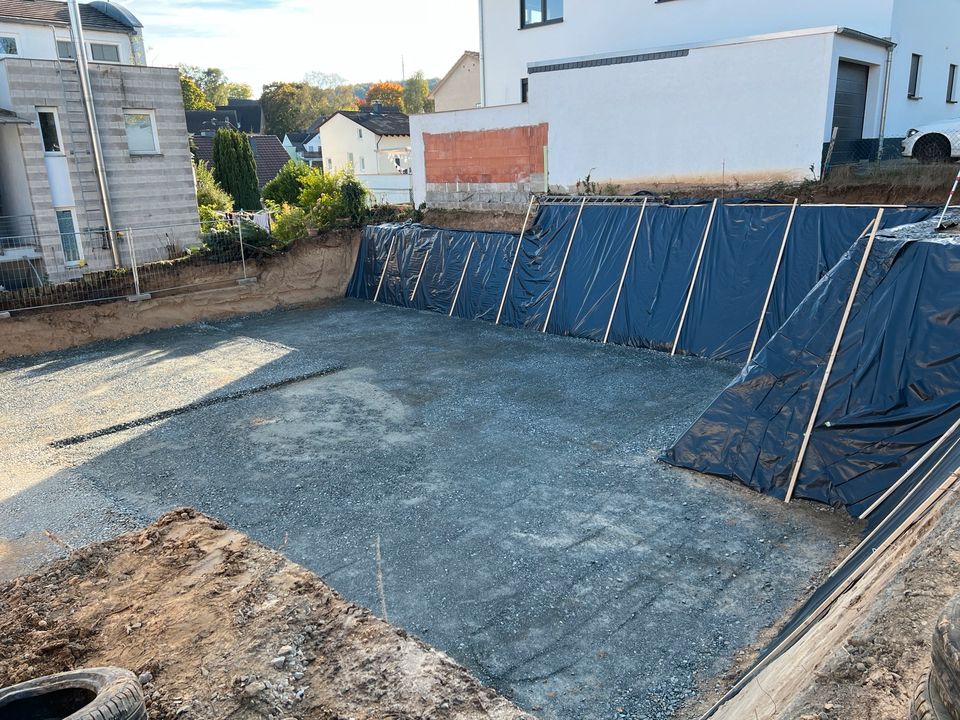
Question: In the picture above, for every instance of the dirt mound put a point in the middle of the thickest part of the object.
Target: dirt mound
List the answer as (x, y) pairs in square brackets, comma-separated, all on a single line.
[(218, 626)]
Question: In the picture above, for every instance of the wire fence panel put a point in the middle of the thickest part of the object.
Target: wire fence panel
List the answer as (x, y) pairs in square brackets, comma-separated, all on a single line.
[(39, 271), (935, 145)]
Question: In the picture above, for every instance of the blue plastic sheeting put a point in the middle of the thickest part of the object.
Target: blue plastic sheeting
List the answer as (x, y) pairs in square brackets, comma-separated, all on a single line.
[(893, 393), (739, 259)]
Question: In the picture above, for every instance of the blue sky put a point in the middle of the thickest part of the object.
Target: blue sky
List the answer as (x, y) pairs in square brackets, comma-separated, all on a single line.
[(259, 41)]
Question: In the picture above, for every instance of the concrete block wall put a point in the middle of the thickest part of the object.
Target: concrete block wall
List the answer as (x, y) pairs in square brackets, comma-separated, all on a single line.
[(154, 194), (155, 191)]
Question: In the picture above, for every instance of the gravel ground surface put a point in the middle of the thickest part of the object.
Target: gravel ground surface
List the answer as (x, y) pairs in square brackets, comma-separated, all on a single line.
[(493, 491)]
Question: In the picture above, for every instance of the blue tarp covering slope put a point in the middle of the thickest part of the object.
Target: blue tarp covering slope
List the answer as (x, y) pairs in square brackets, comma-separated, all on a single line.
[(426, 269), (894, 390)]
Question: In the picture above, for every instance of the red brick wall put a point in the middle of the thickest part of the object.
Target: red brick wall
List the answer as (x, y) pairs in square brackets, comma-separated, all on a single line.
[(486, 156)]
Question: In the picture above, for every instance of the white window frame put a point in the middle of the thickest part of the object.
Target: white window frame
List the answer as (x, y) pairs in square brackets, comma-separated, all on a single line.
[(119, 59), (363, 164), (16, 39), (56, 121), (81, 261), (153, 126)]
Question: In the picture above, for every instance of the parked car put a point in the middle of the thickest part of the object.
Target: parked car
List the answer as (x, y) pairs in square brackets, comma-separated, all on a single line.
[(938, 142)]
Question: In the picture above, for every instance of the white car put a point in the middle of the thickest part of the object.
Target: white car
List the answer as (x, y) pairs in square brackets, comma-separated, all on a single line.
[(938, 142)]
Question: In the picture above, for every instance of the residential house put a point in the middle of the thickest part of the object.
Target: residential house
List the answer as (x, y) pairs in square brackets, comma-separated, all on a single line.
[(201, 121), (305, 147), (459, 89), (92, 142), (249, 114), (690, 91), (268, 153), (375, 145)]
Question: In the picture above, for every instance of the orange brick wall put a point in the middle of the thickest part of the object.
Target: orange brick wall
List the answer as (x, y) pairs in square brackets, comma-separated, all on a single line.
[(487, 156)]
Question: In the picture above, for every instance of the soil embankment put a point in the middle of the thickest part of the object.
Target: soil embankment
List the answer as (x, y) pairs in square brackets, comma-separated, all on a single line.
[(313, 271)]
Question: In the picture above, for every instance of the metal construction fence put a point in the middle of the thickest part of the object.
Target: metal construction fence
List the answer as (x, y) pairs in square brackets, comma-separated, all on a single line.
[(72, 268)]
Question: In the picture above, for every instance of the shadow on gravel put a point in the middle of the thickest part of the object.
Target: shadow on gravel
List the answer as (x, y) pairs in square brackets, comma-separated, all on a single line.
[(508, 478)]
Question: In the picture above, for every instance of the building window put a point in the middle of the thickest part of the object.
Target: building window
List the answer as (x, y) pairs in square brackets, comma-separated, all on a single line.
[(363, 163), (329, 163), (100, 52), (69, 240), (540, 12), (66, 50), (360, 133), (8, 45), (915, 63), (141, 132), (524, 90), (952, 85), (350, 160), (49, 131)]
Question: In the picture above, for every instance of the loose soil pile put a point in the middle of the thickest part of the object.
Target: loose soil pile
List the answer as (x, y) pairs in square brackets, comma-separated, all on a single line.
[(218, 626)]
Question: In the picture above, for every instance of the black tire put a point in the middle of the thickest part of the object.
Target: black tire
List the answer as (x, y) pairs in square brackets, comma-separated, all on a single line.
[(932, 149), (945, 674), (926, 703), (95, 694)]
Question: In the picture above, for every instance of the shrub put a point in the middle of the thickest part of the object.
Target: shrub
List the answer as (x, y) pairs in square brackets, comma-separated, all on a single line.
[(289, 223), (286, 187), (209, 192), (223, 243), (334, 200)]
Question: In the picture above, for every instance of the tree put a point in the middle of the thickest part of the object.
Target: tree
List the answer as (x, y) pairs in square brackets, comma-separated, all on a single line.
[(235, 169), (287, 186), (416, 93), (288, 107), (193, 96), (215, 85), (388, 94), (209, 192)]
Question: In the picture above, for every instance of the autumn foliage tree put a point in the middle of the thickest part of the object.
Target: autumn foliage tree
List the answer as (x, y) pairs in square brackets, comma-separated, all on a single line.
[(388, 94)]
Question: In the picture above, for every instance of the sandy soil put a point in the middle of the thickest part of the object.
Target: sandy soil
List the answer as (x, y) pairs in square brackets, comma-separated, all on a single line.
[(315, 270), (218, 626)]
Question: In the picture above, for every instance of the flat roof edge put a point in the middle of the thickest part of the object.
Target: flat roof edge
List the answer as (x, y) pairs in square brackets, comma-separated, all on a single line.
[(766, 37)]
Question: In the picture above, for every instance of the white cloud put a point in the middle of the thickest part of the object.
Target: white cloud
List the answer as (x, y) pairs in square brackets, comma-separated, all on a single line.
[(259, 41)]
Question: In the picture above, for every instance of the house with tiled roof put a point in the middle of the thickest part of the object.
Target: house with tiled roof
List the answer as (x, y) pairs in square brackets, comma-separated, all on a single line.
[(305, 147), (368, 142), (374, 144), (93, 142)]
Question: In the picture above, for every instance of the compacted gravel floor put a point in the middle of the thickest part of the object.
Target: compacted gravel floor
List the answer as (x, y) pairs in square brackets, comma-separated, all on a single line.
[(494, 492)]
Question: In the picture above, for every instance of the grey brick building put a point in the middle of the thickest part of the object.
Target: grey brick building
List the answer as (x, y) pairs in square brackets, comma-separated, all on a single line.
[(82, 179)]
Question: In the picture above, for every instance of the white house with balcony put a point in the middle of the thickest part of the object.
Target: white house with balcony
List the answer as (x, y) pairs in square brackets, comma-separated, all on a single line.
[(687, 91), (94, 155), (373, 144)]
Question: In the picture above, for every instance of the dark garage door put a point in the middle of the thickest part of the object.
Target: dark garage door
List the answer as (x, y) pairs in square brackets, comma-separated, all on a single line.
[(851, 102)]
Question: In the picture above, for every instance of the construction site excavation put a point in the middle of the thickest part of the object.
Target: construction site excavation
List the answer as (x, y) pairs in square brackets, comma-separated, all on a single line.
[(638, 459)]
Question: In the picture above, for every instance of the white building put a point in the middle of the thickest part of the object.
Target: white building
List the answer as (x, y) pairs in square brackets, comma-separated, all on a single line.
[(459, 89), (89, 148), (375, 145), (634, 91), (305, 147)]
